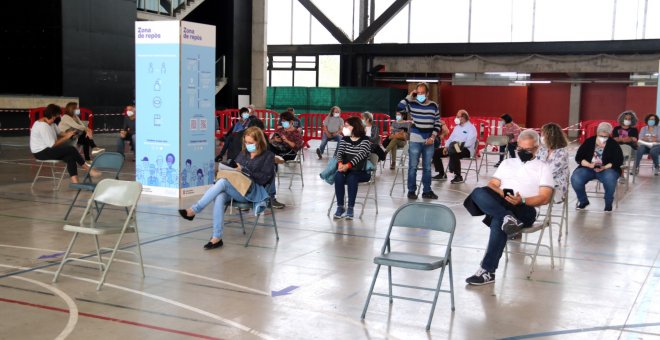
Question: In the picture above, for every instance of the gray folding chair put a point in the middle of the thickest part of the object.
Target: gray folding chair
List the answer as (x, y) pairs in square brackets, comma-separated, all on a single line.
[(369, 184), (114, 192), (296, 162), (493, 142), (109, 162), (425, 216), (401, 169), (248, 205)]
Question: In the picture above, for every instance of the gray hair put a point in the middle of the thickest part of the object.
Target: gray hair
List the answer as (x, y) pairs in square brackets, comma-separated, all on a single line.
[(529, 134), (368, 116), (604, 127)]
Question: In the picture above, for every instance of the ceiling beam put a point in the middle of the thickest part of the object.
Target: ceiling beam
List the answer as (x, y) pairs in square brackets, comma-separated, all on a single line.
[(379, 23), (336, 32)]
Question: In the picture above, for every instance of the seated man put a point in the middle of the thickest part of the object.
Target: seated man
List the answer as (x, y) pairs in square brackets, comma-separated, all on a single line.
[(461, 143), (508, 201), (127, 132)]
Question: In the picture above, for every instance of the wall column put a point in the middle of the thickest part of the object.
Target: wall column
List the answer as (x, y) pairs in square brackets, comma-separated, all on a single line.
[(259, 53), (574, 108)]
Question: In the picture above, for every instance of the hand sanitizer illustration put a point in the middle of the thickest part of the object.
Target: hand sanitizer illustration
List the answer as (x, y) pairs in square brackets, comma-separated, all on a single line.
[(157, 85)]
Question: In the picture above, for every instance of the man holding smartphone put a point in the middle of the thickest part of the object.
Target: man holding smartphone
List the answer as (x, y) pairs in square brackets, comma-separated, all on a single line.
[(508, 201)]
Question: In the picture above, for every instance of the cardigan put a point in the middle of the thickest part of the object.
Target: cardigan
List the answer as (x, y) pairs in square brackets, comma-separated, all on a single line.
[(611, 153)]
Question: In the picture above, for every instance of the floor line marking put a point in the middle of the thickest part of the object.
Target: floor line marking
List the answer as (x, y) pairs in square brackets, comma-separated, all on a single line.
[(73, 308), (580, 330)]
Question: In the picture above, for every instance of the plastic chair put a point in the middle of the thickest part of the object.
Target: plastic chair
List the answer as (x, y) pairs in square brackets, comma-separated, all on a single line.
[(370, 184), (297, 162), (493, 142), (55, 175), (544, 223), (424, 216), (247, 205), (113, 192), (108, 161)]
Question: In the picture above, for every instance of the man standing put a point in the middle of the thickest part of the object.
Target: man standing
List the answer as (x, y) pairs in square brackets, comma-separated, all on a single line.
[(462, 143), (426, 126), (508, 201)]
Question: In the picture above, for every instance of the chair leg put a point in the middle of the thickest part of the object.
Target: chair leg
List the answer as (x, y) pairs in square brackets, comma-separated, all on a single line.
[(240, 214), (37, 175), (98, 252), (389, 283), (396, 175), (139, 248), (272, 215), (72, 204), (254, 226), (334, 197), (536, 252), (366, 197), (371, 290), (376, 196), (66, 256), (435, 298), (112, 257), (302, 181), (451, 283), (59, 183), (552, 255)]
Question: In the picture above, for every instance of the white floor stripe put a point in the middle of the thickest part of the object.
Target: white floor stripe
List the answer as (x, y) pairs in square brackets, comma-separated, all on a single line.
[(73, 308)]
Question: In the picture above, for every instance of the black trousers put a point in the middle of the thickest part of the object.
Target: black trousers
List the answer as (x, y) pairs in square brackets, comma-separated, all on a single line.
[(66, 153), (287, 154), (454, 160), (511, 147), (86, 144)]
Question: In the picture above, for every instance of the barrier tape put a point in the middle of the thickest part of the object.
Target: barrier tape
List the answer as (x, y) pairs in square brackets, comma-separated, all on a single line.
[(14, 129)]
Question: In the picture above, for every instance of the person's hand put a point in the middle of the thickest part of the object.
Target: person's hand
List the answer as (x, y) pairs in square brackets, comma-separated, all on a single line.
[(598, 169), (89, 134), (238, 167), (592, 165), (445, 152), (514, 200), (69, 134), (430, 140), (122, 133)]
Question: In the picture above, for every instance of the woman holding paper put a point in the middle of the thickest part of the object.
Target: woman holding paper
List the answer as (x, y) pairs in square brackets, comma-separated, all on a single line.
[(254, 161), (649, 142)]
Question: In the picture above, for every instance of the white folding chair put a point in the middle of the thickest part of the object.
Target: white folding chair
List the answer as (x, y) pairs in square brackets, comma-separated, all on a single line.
[(55, 174), (124, 194), (296, 162), (369, 184)]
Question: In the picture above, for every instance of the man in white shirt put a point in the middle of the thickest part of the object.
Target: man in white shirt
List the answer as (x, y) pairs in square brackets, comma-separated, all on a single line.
[(45, 144), (528, 183), (462, 143)]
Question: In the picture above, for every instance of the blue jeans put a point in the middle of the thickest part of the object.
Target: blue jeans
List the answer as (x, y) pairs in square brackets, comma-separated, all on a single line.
[(643, 149), (350, 179), (414, 150), (120, 142), (325, 139), (581, 176), (222, 191), (496, 207)]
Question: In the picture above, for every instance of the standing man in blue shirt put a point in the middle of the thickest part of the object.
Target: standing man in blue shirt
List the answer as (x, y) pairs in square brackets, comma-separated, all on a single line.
[(426, 126), (462, 143)]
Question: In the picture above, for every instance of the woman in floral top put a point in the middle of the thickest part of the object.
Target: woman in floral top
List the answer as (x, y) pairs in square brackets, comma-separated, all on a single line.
[(554, 151)]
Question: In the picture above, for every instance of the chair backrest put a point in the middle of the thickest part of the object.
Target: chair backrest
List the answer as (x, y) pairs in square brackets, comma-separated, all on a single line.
[(497, 140), (109, 161), (117, 193), (424, 216), (627, 151)]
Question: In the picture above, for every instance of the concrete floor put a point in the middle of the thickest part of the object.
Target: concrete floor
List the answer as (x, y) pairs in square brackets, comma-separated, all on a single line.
[(312, 284)]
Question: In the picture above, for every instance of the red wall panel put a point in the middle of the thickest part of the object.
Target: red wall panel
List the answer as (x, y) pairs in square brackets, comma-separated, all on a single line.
[(641, 99), (602, 101), (491, 101), (548, 103)]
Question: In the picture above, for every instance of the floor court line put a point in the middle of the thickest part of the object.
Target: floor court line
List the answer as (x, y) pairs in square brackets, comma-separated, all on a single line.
[(581, 330)]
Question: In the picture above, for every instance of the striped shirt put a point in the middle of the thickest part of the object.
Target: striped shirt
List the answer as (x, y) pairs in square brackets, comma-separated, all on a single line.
[(354, 152), (425, 117)]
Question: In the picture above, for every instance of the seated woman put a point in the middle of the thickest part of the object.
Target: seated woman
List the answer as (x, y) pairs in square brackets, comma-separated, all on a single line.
[(46, 144), (554, 151), (256, 161), (372, 132), (511, 130), (71, 121), (649, 142), (626, 132), (352, 154), (599, 157), (286, 141), (398, 136)]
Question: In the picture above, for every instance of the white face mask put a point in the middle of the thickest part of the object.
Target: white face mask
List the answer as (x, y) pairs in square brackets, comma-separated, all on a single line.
[(346, 132), (130, 113), (457, 120), (335, 114), (76, 112), (627, 122), (602, 140)]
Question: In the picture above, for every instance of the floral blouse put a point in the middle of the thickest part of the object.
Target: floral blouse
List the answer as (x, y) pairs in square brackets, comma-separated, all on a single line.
[(558, 160)]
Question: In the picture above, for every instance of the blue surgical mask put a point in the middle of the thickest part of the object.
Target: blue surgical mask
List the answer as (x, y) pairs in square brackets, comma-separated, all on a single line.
[(651, 122), (421, 98), (398, 118), (286, 125), (245, 115), (250, 147)]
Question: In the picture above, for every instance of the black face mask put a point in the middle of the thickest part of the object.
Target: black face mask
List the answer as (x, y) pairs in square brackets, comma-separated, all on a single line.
[(525, 155)]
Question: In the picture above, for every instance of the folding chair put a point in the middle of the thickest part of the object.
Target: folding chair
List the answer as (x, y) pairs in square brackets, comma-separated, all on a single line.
[(55, 175), (296, 162), (424, 216), (473, 160), (401, 168), (247, 205), (493, 142), (108, 161), (369, 184), (113, 192), (544, 223)]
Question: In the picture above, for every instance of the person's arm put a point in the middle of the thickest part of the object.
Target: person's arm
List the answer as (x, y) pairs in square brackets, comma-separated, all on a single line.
[(543, 198), (614, 156), (471, 141), (615, 135), (364, 150), (263, 170), (581, 155), (633, 134), (445, 131), (494, 184), (375, 135)]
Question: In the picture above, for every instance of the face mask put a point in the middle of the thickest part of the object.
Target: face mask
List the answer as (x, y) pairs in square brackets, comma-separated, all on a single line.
[(364, 122), (421, 98), (457, 120), (346, 132), (250, 147), (525, 155), (76, 112), (130, 113), (335, 114), (602, 139), (286, 125), (398, 118), (651, 122), (245, 115), (627, 122)]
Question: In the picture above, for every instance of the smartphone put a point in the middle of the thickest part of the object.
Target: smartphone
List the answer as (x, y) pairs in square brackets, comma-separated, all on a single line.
[(414, 94), (508, 192), (597, 166)]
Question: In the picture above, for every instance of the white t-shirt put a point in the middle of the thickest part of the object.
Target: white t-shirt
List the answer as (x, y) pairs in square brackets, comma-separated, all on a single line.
[(42, 136), (525, 178)]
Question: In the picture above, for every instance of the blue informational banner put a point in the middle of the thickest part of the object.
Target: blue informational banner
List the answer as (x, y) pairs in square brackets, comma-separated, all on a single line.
[(175, 103)]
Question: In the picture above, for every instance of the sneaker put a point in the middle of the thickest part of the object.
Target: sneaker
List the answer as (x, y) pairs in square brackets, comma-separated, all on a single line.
[(457, 179), (608, 208), (349, 213), (440, 177), (279, 160), (277, 205), (340, 212), (430, 195), (581, 206), (481, 277), (96, 151), (497, 164), (319, 153), (511, 226), (622, 180), (657, 171), (88, 163), (412, 195)]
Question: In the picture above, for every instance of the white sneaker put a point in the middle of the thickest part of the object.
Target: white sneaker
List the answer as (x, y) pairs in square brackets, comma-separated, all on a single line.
[(96, 151), (279, 160)]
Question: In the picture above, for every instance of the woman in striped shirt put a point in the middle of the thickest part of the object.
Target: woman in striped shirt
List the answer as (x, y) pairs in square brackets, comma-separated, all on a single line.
[(352, 154)]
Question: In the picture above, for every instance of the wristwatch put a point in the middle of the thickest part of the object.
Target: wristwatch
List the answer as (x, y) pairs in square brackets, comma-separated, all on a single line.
[(523, 201)]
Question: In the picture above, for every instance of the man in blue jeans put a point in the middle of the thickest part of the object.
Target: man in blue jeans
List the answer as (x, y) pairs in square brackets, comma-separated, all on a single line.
[(426, 126), (508, 201)]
